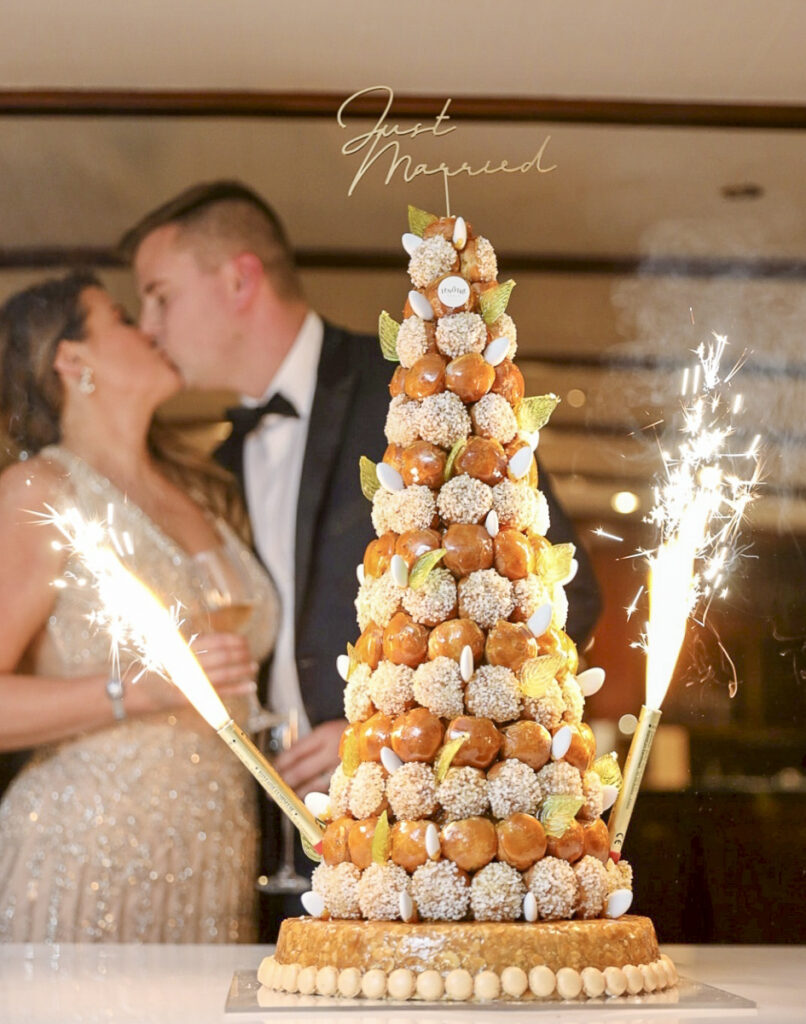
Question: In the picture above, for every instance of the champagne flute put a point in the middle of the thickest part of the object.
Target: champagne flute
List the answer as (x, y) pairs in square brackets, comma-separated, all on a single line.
[(228, 603), (285, 880)]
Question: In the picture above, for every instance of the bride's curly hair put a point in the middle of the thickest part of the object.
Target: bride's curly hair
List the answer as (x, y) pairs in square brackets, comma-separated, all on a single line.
[(32, 323)]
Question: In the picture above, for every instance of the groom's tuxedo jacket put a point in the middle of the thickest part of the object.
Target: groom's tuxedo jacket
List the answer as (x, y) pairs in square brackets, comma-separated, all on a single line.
[(333, 517)]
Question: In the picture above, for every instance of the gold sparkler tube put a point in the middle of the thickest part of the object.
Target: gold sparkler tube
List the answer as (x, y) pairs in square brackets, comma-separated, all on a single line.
[(633, 773), (282, 794)]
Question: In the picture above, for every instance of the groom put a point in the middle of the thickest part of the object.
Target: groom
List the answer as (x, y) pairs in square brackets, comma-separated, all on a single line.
[(221, 296)]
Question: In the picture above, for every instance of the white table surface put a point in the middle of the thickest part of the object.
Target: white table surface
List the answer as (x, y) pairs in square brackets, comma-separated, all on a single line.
[(76, 984)]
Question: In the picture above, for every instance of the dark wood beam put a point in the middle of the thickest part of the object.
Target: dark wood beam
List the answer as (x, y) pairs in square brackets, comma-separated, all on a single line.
[(36, 257), (545, 109)]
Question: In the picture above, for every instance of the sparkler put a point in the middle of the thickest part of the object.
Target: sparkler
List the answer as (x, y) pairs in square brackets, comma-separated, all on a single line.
[(135, 617), (698, 510)]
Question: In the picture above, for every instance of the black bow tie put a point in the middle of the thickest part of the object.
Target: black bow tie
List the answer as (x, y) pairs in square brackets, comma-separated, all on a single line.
[(245, 418)]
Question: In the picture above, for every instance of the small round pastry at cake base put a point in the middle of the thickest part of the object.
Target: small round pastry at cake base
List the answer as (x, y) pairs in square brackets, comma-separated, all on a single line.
[(593, 949)]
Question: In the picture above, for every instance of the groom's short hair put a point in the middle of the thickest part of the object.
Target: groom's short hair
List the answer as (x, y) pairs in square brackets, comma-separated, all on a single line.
[(219, 219)]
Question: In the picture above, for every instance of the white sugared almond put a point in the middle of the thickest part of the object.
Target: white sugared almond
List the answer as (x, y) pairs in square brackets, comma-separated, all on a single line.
[(496, 351), (411, 243), (327, 981), (430, 986), (406, 907), (609, 797), (671, 970), (388, 477), (266, 970), (432, 844), (520, 463), (540, 620), (618, 902), (421, 306), (635, 981), (491, 523), (459, 238), (569, 983), (650, 976), (399, 571), (459, 984), (529, 907), (349, 982), (560, 742), (593, 982), (542, 980), (318, 804), (306, 981), (288, 977), (343, 666), (400, 984), (313, 903), (615, 981), (373, 984), (466, 665), (514, 981), (486, 986), (591, 681), (390, 760)]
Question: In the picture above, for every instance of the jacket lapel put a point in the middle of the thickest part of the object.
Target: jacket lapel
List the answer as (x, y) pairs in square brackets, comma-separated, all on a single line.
[(335, 385)]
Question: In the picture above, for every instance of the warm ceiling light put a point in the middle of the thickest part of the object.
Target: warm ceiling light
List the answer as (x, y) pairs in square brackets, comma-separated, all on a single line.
[(742, 190), (576, 398), (624, 502)]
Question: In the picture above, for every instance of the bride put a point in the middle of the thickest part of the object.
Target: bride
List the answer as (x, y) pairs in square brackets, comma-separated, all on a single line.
[(131, 821)]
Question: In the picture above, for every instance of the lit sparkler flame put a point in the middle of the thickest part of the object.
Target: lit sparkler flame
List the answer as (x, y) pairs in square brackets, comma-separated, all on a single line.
[(698, 510), (135, 618)]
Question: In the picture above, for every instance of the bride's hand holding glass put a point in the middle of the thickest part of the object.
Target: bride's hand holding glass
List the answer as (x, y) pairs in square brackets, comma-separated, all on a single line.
[(227, 662)]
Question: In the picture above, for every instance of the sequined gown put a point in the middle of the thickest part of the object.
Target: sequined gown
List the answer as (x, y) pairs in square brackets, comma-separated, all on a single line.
[(144, 831)]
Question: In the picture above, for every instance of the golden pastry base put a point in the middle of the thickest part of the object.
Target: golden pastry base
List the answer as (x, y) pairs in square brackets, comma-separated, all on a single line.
[(308, 945)]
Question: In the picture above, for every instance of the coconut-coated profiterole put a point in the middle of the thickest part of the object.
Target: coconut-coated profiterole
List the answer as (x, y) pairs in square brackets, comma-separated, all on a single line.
[(464, 856)]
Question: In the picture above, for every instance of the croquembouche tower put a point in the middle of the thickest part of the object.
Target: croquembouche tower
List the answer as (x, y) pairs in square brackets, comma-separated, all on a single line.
[(464, 856)]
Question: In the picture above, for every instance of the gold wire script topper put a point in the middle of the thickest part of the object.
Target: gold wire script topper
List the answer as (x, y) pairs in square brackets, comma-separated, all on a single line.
[(373, 144)]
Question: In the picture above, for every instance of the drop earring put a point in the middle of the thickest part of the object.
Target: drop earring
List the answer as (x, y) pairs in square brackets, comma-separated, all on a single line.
[(86, 385)]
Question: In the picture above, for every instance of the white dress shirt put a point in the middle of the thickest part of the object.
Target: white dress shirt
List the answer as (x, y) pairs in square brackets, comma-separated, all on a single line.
[(273, 456)]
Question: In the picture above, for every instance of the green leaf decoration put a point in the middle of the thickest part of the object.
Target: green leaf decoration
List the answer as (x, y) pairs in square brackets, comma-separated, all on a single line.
[(447, 753), (307, 847), (493, 303), (368, 476), (555, 563), (423, 566), (387, 333), (419, 220), (351, 759), (353, 663), (538, 673), (380, 840), (558, 812), (534, 413), (607, 768), (453, 455)]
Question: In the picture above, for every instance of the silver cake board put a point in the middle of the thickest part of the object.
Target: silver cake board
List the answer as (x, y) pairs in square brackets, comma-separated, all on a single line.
[(247, 995)]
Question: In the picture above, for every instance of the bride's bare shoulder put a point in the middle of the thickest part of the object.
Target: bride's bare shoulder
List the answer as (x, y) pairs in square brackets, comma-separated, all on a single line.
[(30, 484)]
